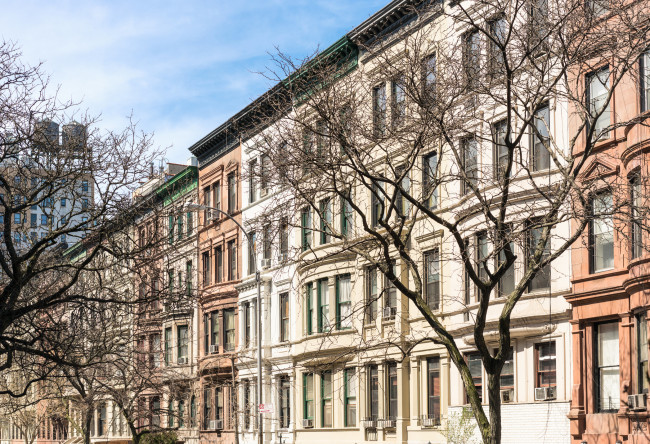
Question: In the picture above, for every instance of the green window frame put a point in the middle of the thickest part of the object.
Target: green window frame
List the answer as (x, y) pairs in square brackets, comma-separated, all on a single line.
[(179, 232), (308, 395), (170, 414), (305, 227), (168, 346), (309, 291), (326, 409), (346, 215), (323, 305), (183, 341), (171, 229), (343, 302), (350, 398), (190, 222), (325, 207)]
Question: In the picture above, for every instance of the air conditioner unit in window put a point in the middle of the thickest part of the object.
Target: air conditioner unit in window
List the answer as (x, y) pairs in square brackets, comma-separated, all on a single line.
[(427, 421), (264, 192), (307, 423), (507, 395), (218, 424), (182, 361), (282, 258), (544, 393), (637, 402), (389, 312), (214, 348), (266, 263)]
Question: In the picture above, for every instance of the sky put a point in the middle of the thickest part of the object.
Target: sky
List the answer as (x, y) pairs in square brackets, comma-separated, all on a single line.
[(179, 68)]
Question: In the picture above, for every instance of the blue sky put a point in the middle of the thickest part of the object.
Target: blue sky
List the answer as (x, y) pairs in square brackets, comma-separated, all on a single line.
[(181, 68)]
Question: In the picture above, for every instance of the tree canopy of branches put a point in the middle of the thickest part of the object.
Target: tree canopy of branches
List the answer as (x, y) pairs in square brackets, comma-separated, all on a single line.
[(468, 80), (57, 188)]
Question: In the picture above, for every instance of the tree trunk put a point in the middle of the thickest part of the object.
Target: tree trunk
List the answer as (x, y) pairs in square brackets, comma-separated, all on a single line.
[(494, 399), (88, 419)]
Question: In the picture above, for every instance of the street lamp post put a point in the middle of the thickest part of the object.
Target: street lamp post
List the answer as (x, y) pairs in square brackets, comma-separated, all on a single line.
[(191, 206)]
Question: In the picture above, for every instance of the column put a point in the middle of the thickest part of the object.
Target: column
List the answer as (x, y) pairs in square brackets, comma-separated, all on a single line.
[(577, 413), (403, 401)]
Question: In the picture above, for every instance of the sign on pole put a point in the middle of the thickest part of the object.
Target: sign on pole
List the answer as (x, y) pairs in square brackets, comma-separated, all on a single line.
[(265, 408)]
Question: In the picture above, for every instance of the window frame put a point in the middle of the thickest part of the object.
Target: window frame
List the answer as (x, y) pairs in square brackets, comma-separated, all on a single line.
[(539, 373), (326, 399), (472, 174), (598, 368), (379, 109), (434, 256), (592, 235), (541, 138), (433, 387), (284, 317), (349, 397), (341, 322)]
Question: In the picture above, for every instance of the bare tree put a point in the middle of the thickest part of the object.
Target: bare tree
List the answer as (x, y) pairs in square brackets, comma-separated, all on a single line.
[(57, 188), (473, 87)]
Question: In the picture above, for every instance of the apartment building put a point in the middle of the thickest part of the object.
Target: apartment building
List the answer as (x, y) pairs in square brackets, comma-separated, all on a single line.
[(219, 271), (609, 297)]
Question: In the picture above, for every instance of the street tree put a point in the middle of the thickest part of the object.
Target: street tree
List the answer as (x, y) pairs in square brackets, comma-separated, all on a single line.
[(482, 90)]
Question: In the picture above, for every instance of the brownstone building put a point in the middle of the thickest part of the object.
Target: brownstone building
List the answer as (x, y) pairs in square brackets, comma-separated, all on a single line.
[(610, 273), (219, 271)]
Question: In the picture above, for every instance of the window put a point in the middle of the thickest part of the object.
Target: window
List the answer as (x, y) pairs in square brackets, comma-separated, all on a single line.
[(232, 193), (372, 294), (346, 215), (168, 346), (343, 302), (472, 58), (307, 146), (265, 174), (469, 148), (205, 260), (607, 367), (539, 25), (597, 92), (308, 395), (635, 218), (101, 420), (500, 149), (398, 101), (597, 7), (181, 413), (284, 317), (309, 295), (33, 220), (373, 392), (218, 259), (432, 270), (246, 308), (284, 238), (377, 203), (429, 179), (642, 354), (542, 280), (506, 284), (232, 260), (644, 62), (246, 401), (63, 202), (325, 207), (207, 404), (326, 398), (207, 203), (392, 391), (171, 229), (192, 410), (390, 297), (268, 242), (154, 350), (229, 329), (350, 397), (190, 222), (508, 373), (170, 414), (84, 186), (183, 342), (429, 77), (602, 233), (433, 388), (545, 364), (214, 332), (323, 306), (379, 109), (305, 224), (252, 186), (188, 278), (541, 157), (285, 401), (476, 370), (43, 219), (499, 34), (218, 401), (252, 263), (216, 197), (402, 205), (482, 252), (206, 334), (84, 203)]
